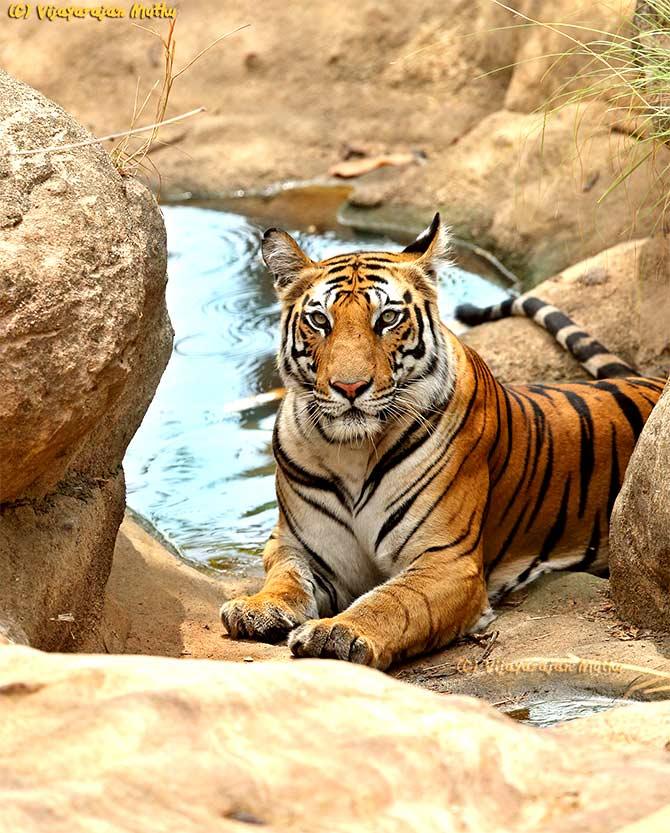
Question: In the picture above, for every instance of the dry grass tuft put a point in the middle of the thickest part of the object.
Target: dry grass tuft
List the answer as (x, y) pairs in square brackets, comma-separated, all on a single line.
[(630, 70), (130, 155)]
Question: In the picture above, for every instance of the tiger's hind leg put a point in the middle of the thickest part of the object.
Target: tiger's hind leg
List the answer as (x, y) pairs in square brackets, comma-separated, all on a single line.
[(288, 598)]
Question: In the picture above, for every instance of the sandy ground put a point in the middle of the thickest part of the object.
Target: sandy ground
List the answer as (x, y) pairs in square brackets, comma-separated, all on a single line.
[(156, 604)]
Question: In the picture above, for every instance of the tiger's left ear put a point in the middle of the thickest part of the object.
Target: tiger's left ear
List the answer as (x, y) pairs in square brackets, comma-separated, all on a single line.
[(432, 246)]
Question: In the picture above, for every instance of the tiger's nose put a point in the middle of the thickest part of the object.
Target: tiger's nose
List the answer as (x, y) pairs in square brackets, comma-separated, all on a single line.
[(350, 389)]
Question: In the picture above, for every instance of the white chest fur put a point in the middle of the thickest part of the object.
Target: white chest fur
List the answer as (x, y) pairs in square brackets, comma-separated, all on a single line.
[(357, 515)]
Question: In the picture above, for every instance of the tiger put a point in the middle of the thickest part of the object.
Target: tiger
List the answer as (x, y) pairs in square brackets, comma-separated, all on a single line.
[(414, 489)]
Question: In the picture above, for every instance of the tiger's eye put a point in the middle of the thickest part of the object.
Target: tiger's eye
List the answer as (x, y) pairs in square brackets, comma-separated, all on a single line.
[(390, 316), (319, 319)]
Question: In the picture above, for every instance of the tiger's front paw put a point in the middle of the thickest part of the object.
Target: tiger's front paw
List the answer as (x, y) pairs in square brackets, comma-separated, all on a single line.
[(262, 617), (330, 638)]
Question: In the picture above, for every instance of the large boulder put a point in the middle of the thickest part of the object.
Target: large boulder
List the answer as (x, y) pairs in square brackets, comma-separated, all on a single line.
[(640, 527), (84, 338), (91, 742)]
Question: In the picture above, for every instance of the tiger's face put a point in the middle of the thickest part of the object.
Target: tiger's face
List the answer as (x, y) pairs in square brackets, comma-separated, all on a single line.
[(361, 344)]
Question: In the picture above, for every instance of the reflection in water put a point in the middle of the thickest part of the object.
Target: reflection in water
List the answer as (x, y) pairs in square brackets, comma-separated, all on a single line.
[(552, 712), (203, 478)]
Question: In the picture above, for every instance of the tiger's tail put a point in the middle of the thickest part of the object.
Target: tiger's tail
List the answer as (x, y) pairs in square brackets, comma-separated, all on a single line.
[(594, 357)]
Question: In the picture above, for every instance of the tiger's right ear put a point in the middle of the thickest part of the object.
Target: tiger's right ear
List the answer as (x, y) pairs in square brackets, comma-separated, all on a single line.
[(284, 258)]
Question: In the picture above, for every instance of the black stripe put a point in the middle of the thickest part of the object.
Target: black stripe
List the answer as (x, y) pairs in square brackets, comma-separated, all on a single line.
[(373, 277), (614, 370), (540, 424), (376, 259), (416, 483), (556, 321), (473, 315), (557, 530), (292, 525), (540, 390), (330, 591), (586, 351), (554, 536), (587, 459), (531, 306), (573, 338), (395, 517), (419, 351), (466, 457), (627, 406), (319, 507), (592, 549), (546, 480), (399, 451), (508, 541), (301, 475), (648, 400), (508, 453), (337, 268), (431, 323), (287, 323), (526, 460), (650, 384), (496, 440), (431, 367), (454, 541)]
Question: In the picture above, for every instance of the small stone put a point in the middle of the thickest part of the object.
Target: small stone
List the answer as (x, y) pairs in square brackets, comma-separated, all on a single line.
[(252, 61), (594, 277), (56, 186), (10, 217), (248, 659)]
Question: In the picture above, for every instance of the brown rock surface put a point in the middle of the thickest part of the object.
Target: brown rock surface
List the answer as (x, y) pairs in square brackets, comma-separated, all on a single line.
[(92, 743), (460, 84), (84, 338), (640, 527)]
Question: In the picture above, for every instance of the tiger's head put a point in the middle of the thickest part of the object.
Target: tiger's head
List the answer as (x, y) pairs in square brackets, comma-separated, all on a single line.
[(361, 340)]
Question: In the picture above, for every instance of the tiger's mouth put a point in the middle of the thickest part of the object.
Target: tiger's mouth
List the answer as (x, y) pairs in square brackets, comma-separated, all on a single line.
[(354, 422), (352, 413), (354, 416), (352, 425)]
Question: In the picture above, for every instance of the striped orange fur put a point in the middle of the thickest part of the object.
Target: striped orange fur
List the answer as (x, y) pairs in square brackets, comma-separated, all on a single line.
[(414, 489)]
